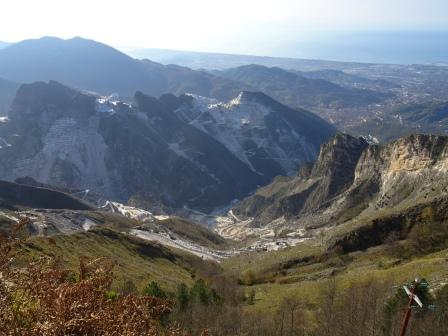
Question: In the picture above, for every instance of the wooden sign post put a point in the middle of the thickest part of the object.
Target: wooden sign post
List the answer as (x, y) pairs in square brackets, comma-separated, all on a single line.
[(412, 297)]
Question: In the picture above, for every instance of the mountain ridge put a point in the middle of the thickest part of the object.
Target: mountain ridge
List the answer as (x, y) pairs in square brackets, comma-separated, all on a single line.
[(298, 90), (58, 135), (374, 180), (254, 126), (14, 194), (94, 66)]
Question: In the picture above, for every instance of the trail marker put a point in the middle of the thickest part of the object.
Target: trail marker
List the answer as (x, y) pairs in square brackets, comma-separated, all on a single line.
[(412, 297)]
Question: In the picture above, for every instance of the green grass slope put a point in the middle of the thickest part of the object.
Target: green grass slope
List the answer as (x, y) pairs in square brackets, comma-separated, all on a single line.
[(390, 250), (135, 259)]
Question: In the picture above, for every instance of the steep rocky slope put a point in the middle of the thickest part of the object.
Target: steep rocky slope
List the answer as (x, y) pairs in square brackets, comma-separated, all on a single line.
[(7, 92), (73, 140), (349, 184), (269, 137)]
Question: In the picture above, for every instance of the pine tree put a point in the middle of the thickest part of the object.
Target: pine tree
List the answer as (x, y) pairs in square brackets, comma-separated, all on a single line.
[(182, 296), (153, 289), (200, 292)]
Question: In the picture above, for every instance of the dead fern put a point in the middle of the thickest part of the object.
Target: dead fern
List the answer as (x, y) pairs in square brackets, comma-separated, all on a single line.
[(45, 299)]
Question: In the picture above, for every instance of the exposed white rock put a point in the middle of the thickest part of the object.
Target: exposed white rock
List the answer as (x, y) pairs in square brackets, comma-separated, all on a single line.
[(9, 216), (173, 240), (130, 212), (4, 143), (107, 104), (242, 121), (80, 145)]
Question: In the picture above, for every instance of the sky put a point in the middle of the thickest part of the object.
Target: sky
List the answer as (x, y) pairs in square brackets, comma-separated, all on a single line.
[(234, 26)]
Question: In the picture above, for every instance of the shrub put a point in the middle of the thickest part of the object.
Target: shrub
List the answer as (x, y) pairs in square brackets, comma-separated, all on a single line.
[(428, 237), (182, 296), (153, 289), (200, 292), (111, 295), (248, 278)]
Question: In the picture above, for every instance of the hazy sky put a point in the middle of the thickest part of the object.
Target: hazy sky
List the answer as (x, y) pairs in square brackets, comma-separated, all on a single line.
[(239, 26)]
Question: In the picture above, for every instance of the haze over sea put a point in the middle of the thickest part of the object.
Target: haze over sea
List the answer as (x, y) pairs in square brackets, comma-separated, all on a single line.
[(401, 47)]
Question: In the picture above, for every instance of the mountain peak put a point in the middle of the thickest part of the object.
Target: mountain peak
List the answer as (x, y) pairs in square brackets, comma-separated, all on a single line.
[(255, 97), (248, 96), (51, 98), (52, 42), (339, 155), (343, 139)]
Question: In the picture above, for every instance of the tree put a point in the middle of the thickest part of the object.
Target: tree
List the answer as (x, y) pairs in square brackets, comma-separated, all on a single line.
[(200, 292), (182, 296), (153, 289)]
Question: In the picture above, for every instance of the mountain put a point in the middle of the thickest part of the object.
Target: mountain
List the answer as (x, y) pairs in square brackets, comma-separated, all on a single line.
[(63, 137), (350, 184), (423, 117), (51, 212), (13, 194), (295, 90), (69, 228), (425, 113), (269, 137), (7, 92), (89, 65)]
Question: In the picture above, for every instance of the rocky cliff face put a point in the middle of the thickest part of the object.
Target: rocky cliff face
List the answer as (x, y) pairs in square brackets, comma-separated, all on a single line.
[(166, 147), (408, 170), (348, 184), (52, 136), (7, 92), (270, 138)]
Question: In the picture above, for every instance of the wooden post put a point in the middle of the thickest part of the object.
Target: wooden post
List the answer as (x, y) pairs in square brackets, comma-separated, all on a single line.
[(407, 315)]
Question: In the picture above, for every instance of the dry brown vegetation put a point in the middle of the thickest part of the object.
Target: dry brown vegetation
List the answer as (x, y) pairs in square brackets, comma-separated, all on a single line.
[(44, 299)]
